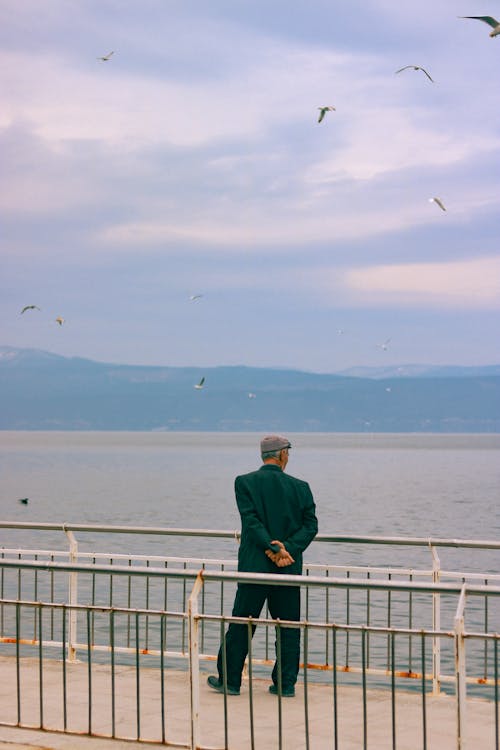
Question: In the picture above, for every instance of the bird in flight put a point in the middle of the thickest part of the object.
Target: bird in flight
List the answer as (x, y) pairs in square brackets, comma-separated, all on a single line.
[(384, 345), (194, 297), (438, 202), (29, 307), (23, 500), (323, 111), (495, 25), (59, 320), (200, 385), (415, 67), (252, 395), (106, 58)]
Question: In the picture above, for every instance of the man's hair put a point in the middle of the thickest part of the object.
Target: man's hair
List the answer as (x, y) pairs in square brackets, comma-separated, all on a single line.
[(271, 454)]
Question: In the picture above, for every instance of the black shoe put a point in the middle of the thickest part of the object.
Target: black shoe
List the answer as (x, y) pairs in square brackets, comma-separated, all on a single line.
[(285, 692), (216, 684)]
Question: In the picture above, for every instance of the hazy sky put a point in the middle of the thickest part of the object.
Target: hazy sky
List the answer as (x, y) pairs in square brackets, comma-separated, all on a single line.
[(192, 162)]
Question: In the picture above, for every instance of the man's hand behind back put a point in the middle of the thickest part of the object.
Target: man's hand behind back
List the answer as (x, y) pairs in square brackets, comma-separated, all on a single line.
[(282, 558)]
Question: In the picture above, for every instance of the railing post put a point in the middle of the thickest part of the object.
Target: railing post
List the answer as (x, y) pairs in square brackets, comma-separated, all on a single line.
[(436, 624), (73, 596), (460, 669), (194, 660)]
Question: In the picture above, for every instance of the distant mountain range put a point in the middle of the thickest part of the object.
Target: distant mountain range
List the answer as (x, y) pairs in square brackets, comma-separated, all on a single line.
[(44, 391), (421, 371)]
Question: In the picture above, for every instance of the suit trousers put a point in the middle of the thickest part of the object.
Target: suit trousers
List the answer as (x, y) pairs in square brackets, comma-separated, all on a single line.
[(284, 604)]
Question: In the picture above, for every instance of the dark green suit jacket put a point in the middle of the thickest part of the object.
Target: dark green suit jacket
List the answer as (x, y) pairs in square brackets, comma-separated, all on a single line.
[(273, 505)]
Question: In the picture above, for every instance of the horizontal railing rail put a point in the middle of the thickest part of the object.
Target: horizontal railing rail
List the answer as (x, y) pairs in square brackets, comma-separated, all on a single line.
[(242, 577), (235, 535), (262, 578)]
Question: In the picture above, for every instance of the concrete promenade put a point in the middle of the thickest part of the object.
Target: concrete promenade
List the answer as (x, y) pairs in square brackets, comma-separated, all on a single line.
[(440, 713)]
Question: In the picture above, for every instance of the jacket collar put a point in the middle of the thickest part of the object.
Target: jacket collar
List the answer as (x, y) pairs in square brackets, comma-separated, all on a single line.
[(270, 467)]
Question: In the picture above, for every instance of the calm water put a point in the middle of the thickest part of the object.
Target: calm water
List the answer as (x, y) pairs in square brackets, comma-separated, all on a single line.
[(397, 485)]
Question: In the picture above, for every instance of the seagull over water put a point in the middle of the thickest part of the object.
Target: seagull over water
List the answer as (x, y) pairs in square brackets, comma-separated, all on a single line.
[(495, 25), (323, 111), (59, 320), (105, 58), (438, 202), (415, 67), (384, 345), (194, 297), (29, 307), (200, 385)]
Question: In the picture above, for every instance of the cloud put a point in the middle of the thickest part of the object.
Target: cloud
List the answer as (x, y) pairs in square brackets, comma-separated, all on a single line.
[(280, 231), (193, 161), (396, 140), (464, 284), (112, 103), (233, 158), (296, 218)]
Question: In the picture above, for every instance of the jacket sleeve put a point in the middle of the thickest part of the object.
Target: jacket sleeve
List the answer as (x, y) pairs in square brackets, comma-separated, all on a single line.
[(298, 541), (249, 518)]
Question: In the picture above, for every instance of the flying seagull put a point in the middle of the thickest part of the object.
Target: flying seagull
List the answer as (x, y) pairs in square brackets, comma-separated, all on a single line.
[(59, 320), (194, 297), (23, 500), (415, 67), (199, 385), (323, 111), (384, 345), (29, 307), (438, 202), (252, 395), (495, 25), (105, 58)]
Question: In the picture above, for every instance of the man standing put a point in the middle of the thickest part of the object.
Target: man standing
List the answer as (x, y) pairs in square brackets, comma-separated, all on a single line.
[(278, 522)]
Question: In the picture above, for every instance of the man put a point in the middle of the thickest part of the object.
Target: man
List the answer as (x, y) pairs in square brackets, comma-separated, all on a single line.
[(278, 522)]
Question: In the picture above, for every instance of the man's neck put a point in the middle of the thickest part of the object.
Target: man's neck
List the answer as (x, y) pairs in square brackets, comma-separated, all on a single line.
[(273, 462)]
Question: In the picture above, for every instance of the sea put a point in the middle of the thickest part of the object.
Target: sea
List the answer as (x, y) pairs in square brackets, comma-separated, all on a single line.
[(398, 485)]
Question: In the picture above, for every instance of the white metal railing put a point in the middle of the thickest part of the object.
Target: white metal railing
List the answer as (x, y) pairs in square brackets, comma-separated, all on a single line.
[(435, 574), (358, 611), (83, 590), (426, 542), (194, 615)]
